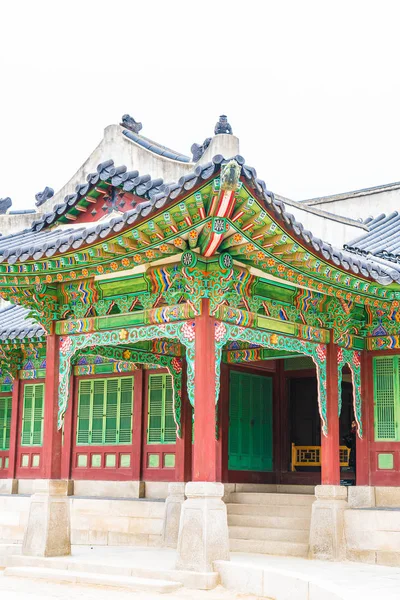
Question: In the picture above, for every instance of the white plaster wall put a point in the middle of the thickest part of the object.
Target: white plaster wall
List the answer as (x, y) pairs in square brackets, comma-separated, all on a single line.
[(363, 206), (223, 143), (334, 232), (122, 151)]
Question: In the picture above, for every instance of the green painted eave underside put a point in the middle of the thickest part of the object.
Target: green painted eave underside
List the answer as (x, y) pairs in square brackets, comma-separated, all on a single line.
[(116, 253)]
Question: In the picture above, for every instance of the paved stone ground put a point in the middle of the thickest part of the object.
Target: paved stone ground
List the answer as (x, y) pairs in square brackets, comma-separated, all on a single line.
[(15, 588)]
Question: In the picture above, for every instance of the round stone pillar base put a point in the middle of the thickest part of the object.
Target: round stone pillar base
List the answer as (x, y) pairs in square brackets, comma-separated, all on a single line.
[(203, 530), (48, 529), (327, 538)]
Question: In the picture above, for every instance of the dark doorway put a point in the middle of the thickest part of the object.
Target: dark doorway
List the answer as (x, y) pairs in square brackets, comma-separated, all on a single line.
[(305, 419)]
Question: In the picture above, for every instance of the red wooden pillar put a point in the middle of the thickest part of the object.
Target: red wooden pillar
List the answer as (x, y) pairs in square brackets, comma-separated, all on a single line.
[(205, 459), (362, 445), (138, 425), (330, 460), (51, 454), (12, 455)]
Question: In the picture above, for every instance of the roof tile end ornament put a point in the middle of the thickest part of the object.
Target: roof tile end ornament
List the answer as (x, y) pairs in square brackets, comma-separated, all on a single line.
[(41, 197), (5, 204), (130, 123), (223, 126), (230, 175)]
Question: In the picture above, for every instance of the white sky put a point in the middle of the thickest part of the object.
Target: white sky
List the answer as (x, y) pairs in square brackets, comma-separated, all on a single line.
[(311, 88)]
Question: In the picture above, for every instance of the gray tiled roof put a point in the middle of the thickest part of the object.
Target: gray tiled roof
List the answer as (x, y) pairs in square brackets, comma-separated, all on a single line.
[(154, 194), (156, 148), (382, 240), (16, 324)]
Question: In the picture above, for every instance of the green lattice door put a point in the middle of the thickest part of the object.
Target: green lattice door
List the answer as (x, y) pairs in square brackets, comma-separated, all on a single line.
[(387, 398), (250, 422)]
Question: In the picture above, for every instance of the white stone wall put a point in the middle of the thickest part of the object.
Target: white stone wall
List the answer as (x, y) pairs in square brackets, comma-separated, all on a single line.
[(93, 521), (363, 206), (373, 536), (123, 151), (329, 230)]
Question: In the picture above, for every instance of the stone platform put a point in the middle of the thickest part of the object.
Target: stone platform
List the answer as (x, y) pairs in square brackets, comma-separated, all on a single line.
[(272, 577)]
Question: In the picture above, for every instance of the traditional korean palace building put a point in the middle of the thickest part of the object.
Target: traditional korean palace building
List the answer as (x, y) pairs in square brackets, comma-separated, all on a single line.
[(170, 319)]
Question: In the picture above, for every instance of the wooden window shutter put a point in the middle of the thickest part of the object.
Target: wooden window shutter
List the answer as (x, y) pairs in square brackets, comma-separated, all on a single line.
[(161, 424), (27, 414), (155, 409), (33, 413), (5, 422), (125, 411), (386, 396), (234, 422), (8, 423), (38, 415), (98, 411), (105, 408), (84, 410), (111, 412), (169, 421), (247, 405)]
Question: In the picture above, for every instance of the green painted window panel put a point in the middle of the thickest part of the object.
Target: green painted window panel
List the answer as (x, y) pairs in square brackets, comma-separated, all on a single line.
[(161, 428), (96, 460), (169, 460), (250, 423), (105, 408), (33, 415), (6, 462), (125, 461), (82, 460), (111, 460), (5, 423), (154, 461), (385, 461), (386, 398)]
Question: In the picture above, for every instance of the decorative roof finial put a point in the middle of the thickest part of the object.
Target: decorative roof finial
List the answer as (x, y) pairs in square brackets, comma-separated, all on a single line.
[(198, 150), (5, 204), (130, 123), (230, 174), (223, 126), (41, 197)]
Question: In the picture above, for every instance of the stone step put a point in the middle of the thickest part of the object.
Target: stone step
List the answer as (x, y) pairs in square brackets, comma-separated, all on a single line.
[(274, 488), (269, 522), (6, 550), (269, 534), (189, 579), (270, 510), (65, 575), (271, 499), (268, 547)]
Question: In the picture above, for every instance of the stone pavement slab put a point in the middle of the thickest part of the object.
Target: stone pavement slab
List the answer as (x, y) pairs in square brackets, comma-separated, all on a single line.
[(312, 579), (14, 588), (254, 575)]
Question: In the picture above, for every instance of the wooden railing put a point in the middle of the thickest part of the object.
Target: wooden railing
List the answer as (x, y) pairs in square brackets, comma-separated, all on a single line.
[(310, 456)]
